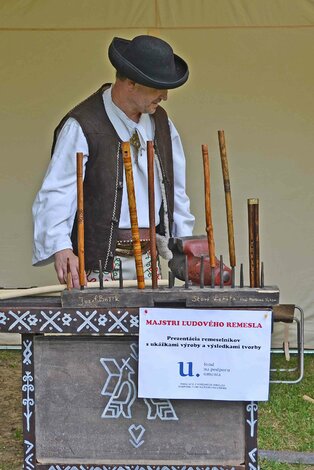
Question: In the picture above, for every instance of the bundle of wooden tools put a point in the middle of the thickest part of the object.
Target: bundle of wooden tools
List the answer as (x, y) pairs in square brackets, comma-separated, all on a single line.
[(193, 262)]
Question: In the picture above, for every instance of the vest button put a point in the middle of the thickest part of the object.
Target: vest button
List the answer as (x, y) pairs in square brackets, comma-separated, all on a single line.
[(114, 220), (120, 184)]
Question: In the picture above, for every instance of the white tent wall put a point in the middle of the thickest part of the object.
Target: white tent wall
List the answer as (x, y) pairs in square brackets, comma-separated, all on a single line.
[(251, 74)]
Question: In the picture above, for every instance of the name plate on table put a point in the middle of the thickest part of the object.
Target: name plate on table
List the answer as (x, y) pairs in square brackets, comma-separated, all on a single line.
[(204, 354), (193, 297)]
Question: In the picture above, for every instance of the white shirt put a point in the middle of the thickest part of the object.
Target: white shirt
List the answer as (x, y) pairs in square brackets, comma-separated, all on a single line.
[(55, 207)]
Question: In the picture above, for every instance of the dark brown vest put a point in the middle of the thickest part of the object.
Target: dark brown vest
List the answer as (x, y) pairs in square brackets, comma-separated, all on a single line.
[(103, 181)]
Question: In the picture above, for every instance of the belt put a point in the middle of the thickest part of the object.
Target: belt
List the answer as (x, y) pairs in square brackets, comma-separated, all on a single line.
[(124, 245), (125, 235)]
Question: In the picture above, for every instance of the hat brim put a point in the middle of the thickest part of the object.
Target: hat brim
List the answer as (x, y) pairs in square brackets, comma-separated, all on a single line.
[(129, 70)]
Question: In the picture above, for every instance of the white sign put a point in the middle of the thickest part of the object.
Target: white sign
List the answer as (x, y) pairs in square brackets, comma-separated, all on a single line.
[(204, 354)]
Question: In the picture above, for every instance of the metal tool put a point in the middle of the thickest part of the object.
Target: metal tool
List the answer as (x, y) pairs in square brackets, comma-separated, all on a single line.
[(186, 272), (101, 275), (195, 247), (241, 276), (202, 273), (120, 274), (221, 272)]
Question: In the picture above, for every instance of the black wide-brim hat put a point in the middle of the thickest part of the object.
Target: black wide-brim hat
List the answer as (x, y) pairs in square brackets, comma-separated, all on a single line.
[(149, 61)]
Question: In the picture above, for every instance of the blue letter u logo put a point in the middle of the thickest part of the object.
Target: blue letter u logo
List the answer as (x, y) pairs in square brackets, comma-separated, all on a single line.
[(189, 369)]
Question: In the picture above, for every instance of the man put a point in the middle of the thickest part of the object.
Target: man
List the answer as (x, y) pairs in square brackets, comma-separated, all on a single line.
[(128, 110)]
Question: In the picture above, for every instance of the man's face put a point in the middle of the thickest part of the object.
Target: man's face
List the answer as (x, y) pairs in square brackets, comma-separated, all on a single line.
[(146, 99)]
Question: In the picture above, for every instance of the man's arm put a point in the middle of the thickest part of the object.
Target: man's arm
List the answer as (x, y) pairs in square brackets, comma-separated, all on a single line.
[(55, 205)]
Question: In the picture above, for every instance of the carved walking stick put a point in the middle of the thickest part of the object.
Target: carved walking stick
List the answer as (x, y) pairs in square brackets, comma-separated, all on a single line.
[(151, 204), (254, 257), (226, 180), (208, 213), (80, 218), (133, 215)]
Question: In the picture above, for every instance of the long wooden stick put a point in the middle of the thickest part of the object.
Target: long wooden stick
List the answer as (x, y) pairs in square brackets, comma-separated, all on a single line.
[(208, 210), (126, 152), (80, 218), (226, 180), (6, 294), (151, 205), (257, 250), (250, 208)]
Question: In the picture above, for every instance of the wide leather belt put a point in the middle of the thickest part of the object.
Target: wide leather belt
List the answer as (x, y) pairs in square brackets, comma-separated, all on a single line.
[(124, 245), (125, 235)]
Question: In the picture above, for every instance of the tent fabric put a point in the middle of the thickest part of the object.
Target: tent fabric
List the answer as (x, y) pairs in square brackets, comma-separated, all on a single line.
[(251, 74), (128, 14)]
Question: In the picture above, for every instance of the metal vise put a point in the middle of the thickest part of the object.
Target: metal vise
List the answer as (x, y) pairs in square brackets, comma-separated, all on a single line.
[(194, 248)]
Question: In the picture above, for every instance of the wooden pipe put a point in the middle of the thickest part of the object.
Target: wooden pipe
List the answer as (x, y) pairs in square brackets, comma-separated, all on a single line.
[(208, 210), (254, 255), (257, 248), (151, 205), (226, 180), (80, 218), (126, 152)]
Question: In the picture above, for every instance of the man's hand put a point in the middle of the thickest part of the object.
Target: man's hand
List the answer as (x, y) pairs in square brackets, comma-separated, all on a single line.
[(61, 267)]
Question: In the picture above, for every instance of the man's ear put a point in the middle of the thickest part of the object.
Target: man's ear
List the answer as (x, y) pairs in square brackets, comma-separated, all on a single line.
[(131, 84)]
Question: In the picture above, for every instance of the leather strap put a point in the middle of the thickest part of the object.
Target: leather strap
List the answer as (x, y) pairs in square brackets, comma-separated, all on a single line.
[(125, 235)]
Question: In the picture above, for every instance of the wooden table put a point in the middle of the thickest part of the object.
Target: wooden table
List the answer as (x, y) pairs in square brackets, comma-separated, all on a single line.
[(79, 379)]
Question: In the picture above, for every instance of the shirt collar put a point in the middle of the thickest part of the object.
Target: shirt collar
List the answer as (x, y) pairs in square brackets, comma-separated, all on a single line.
[(142, 127)]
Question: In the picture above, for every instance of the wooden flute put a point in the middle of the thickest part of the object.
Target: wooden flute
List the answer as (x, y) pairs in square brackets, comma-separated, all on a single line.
[(126, 152), (227, 188), (208, 211), (151, 205), (80, 218), (254, 252)]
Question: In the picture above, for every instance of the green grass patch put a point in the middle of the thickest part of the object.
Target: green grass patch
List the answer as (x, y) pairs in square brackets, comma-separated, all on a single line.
[(286, 421), (264, 465)]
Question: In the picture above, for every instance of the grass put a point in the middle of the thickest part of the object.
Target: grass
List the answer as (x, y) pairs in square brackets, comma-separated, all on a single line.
[(283, 466), (286, 421)]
